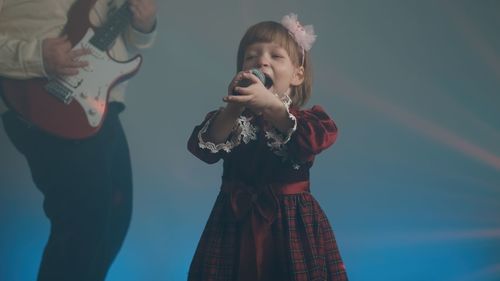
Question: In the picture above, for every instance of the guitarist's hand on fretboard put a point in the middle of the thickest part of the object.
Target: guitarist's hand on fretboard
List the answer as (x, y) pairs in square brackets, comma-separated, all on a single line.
[(59, 59), (143, 14)]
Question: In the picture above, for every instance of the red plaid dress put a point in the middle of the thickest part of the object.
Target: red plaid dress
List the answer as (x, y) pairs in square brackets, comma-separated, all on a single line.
[(265, 224)]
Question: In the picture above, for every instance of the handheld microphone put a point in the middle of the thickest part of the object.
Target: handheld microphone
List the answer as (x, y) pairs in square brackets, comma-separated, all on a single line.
[(247, 82)]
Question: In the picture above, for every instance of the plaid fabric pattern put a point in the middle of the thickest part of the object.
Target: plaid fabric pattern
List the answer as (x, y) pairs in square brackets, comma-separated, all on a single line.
[(312, 250), (216, 254), (301, 230), (304, 246)]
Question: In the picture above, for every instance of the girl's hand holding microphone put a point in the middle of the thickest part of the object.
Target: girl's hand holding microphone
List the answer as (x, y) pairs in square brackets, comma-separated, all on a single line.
[(247, 90)]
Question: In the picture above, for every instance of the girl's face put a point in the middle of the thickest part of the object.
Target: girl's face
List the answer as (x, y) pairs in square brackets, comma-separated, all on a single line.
[(274, 61)]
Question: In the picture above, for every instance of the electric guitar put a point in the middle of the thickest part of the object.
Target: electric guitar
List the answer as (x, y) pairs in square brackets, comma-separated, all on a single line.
[(74, 107)]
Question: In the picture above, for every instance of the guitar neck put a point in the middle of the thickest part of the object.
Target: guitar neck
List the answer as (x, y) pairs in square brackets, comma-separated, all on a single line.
[(107, 33)]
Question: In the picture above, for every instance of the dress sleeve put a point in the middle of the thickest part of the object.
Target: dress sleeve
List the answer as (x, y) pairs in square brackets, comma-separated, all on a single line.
[(315, 132), (209, 152)]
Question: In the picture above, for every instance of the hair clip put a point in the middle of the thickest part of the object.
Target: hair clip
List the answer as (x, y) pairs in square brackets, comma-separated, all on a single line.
[(303, 35)]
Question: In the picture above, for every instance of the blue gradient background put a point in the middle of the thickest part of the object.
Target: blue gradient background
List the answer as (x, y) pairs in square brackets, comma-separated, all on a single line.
[(412, 186)]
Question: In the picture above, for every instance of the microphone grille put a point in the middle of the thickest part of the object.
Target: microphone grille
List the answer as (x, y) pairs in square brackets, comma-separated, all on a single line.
[(259, 75)]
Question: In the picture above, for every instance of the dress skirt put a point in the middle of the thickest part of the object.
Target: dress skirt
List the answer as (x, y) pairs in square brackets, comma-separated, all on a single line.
[(301, 233)]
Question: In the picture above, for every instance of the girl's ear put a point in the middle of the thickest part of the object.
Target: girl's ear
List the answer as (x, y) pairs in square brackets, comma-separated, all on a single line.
[(298, 77)]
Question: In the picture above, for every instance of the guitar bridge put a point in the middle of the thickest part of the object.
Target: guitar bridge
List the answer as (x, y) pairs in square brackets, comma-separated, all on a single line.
[(59, 91)]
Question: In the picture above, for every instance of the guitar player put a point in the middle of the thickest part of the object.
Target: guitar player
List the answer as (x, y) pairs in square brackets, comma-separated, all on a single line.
[(87, 182)]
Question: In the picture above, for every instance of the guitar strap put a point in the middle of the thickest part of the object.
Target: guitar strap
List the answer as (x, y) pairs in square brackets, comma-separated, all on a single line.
[(78, 20)]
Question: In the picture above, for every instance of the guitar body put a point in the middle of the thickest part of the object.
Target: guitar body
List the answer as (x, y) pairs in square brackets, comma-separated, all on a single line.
[(81, 112)]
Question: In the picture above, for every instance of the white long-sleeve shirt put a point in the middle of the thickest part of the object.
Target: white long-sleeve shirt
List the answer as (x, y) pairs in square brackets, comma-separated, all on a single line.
[(24, 24)]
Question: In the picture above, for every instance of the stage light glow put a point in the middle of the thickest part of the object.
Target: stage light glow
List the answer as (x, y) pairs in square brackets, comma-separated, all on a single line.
[(418, 123)]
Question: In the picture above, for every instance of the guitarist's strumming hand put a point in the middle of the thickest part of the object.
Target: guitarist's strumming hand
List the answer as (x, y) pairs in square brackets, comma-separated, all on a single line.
[(143, 14), (59, 59)]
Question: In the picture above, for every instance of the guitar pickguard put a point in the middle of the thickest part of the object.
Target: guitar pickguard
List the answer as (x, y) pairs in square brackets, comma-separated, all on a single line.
[(91, 85)]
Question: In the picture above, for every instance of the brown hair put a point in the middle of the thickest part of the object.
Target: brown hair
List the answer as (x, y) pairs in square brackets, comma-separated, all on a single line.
[(270, 31)]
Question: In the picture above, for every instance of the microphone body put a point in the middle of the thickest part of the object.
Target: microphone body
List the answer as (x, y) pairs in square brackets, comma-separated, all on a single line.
[(247, 82)]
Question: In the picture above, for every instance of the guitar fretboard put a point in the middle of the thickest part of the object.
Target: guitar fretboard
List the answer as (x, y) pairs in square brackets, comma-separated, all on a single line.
[(107, 33)]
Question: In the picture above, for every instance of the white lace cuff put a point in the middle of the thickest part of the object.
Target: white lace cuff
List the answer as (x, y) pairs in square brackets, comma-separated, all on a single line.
[(277, 139), (243, 130)]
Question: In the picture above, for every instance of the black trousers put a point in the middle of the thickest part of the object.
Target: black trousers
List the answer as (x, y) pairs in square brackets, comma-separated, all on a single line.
[(87, 188)]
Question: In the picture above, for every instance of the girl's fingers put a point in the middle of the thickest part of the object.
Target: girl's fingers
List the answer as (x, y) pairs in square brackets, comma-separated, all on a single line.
[(235, 86), (241, 90), (249, 76), (236, 99), (236, 79)]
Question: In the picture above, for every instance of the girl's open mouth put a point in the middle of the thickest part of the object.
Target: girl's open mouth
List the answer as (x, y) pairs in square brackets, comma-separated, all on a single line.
[(268, 83)]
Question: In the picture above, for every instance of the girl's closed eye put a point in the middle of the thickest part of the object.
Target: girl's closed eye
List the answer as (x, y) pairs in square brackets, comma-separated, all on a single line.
[(279, 53), (250, 55)]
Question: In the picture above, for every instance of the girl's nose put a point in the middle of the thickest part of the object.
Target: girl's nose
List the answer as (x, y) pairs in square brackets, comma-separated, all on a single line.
[(263, 61)]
